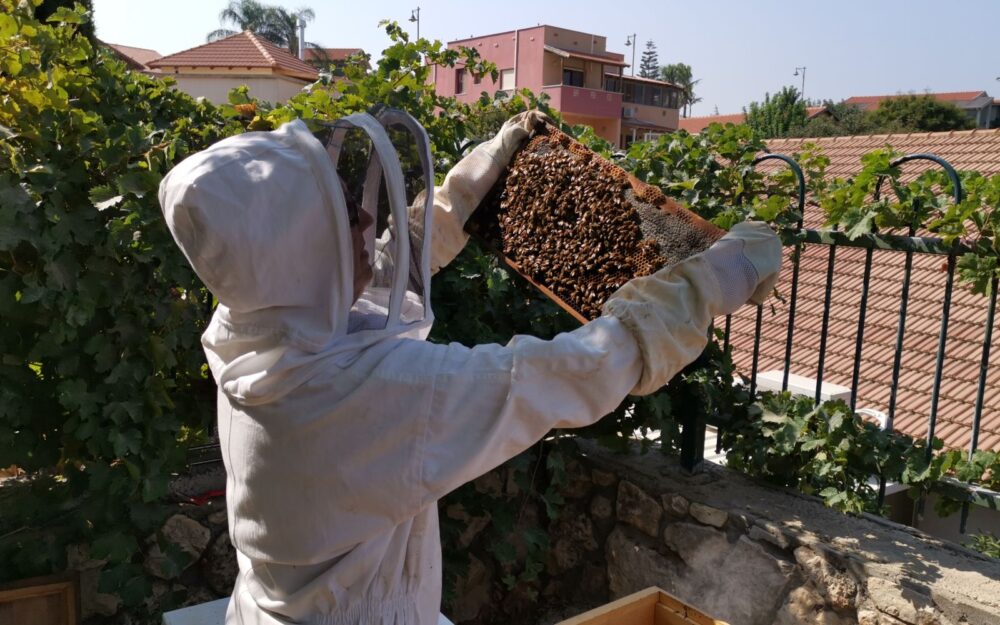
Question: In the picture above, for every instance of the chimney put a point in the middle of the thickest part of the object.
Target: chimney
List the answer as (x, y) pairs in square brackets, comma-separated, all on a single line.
[(302, 38)]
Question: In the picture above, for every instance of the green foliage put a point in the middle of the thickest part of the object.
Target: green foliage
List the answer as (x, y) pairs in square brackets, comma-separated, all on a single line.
[(483, 119), (47, 8), (680, 74), (649, 66), (775, 117), (840, 119), (274, 23), (986, 544), (919, 113), (711, 173), (828, 451), (824, 450), (99, 313), (928, 200)]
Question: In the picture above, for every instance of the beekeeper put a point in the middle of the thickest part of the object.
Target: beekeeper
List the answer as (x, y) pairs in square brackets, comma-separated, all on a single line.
[(340, 425)]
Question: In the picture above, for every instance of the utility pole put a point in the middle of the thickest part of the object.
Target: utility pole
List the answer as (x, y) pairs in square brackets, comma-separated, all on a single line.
[(803, 90), (415, 17), (630, 41)]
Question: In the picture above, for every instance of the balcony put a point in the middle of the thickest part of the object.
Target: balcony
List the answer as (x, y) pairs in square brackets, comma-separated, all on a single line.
[(583, 101)]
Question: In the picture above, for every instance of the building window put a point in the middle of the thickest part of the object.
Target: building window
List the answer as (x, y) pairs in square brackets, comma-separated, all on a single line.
[(612, 83), (506, 80), (572, 77), (673, 99), (459, 80), (477, 78), (639, 94), (657, 96)]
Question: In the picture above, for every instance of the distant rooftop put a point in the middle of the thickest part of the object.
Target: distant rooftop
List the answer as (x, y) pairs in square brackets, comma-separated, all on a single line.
[(653, 81), (331, 54), (135, 58), (242, 50), (694, 125), (948, 96)]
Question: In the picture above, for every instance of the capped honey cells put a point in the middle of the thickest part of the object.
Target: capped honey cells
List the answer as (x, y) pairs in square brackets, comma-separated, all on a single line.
[(581, 226)]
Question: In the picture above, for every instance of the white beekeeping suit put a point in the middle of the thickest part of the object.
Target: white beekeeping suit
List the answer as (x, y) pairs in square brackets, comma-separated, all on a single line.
[(340, 426)]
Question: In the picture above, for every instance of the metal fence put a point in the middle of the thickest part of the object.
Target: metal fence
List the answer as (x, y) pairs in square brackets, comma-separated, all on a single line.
[(910, 245)]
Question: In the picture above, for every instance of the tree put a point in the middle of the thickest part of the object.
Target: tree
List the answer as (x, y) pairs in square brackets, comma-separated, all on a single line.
[(649, 67), (45, 10), (245, 15), (777, 116), (286, 26), (843, 120), (919, 113), (276, 24), (680, 74)]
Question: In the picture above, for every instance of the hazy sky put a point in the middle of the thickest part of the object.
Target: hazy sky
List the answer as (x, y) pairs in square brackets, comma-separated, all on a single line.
[(740, 49)]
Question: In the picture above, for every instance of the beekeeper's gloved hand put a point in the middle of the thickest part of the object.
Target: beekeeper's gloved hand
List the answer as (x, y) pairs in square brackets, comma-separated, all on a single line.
[(467, 184), (669, 312)]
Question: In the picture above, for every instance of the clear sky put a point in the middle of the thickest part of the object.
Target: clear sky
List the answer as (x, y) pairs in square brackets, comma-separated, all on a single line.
[(740, 49)]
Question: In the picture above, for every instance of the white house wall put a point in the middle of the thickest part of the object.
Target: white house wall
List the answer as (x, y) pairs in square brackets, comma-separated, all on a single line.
[(216, 88)]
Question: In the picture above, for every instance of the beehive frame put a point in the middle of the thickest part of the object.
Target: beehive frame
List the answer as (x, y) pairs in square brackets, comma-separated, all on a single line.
[(578, 227)]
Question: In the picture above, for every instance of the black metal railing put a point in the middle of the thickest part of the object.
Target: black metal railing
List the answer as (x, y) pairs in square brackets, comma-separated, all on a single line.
[(910, 244)]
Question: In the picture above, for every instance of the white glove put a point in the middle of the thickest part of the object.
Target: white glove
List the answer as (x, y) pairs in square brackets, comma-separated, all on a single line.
[(669, 312), (467, 184)]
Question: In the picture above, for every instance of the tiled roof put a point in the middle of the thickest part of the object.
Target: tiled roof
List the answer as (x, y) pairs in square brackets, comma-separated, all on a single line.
[(694, 125), (652, 81), (138, 58), (242, 50), (332, 54), (609, 58), (950, 96), (634, 122), (975, 150)]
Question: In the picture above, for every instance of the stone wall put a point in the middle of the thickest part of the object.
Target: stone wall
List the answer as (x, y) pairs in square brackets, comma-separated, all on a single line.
[(750, 554), (743, 552), (190, 558)]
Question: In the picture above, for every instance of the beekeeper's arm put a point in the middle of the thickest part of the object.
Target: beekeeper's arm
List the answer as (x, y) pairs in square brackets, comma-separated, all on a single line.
[(467, 184), (492, 402)]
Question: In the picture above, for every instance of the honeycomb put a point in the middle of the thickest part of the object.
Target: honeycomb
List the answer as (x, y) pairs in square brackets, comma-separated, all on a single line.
[(581, 226)]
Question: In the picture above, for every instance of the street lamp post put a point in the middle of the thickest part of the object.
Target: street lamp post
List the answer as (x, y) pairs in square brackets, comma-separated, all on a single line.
[(803, 91), (630, 41), (415, 17)]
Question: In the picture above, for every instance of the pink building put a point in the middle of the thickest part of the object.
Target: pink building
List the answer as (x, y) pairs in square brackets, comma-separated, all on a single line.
[(584, 81)]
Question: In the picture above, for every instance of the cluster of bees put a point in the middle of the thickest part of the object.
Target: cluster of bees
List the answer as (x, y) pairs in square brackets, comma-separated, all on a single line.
[(578, 225)]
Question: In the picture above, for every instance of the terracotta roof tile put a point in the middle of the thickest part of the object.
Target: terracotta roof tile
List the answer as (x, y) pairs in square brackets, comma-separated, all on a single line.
[(608, 58), (967, 317), (140, 58), (242, 50), (949, 96), (332, 54), (695, 125)]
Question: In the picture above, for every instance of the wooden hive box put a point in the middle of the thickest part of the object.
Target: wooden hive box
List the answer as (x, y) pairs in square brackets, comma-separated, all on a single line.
[(652, 606), (53, 600), (578, 226)]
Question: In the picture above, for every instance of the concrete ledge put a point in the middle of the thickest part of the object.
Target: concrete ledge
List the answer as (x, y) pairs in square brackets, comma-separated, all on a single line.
[(901, 574)]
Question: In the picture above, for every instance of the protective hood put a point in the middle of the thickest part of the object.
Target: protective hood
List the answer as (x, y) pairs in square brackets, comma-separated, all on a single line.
[(263, 220)]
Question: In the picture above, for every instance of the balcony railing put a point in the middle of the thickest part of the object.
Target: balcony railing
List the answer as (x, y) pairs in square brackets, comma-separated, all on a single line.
[(910, 246)]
